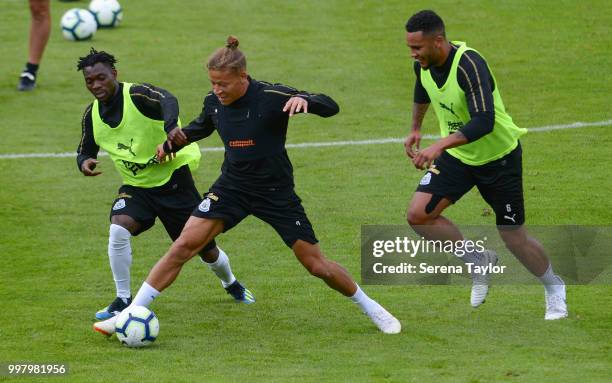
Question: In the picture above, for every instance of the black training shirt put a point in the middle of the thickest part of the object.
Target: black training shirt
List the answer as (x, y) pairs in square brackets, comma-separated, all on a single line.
[(254, 130)]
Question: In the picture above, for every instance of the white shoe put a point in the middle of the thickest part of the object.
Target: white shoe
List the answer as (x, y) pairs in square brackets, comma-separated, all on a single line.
[(106, 327), (480, 282), (556, 307), (385, 322)]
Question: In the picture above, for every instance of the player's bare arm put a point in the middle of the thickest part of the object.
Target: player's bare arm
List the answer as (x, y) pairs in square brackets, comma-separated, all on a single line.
[(414, 137), (424, 158)]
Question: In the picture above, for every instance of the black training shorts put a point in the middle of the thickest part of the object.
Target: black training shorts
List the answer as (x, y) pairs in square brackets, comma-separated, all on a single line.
[(500, 183), (280, 208), (172, 202)]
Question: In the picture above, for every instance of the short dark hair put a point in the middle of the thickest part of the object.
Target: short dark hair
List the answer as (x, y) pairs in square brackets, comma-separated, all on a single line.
[(426, 21), (95, 57)]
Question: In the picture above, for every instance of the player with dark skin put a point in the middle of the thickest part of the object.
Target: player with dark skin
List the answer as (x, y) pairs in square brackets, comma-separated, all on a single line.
[(101, 81), (433, 50), (479, 147)]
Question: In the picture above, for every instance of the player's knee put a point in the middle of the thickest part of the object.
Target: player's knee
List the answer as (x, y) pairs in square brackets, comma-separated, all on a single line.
[(182, 250), (39, 10), (417, 216), (513, 239), (125, 221), (320, 269), (118, 233), (209, 255)]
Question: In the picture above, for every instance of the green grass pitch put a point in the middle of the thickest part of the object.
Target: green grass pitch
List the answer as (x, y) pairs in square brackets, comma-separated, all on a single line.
[(552, 61)]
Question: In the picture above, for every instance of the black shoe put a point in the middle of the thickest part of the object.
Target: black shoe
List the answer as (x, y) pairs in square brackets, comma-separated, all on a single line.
[(27, 81), (240, 293), (117, 306)]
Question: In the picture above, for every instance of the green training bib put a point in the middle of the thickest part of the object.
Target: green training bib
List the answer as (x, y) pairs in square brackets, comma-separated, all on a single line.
[(132, 146), (451, 108)]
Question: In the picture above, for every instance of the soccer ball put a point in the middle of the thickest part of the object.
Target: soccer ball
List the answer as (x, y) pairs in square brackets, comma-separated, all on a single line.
[(78, 24), (137, 326), (108, 13)]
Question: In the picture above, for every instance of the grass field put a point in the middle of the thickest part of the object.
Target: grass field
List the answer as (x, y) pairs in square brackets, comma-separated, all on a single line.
[(551, 60)]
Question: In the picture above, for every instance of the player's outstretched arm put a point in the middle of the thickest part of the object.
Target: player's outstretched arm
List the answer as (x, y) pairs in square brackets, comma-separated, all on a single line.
[(287, 99), (321, 105)]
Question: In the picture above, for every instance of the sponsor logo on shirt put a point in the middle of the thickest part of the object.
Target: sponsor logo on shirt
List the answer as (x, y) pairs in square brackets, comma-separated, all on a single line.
[(241, 143), (135, 167), (453, 126)]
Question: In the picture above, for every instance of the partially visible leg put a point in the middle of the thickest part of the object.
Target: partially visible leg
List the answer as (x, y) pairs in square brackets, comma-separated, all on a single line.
[(424, 216), (120, 251), (501, 184), (40, 29), (532, 255), (121, 229), (178, 210), (218, 262), (336, 277), (196, 234), (526, 249)]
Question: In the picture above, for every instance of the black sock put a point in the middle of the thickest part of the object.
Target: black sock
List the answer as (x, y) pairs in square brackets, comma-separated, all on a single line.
[(31, 68)]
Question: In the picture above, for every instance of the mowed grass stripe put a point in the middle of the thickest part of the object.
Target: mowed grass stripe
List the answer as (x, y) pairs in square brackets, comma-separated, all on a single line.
[(376, 141)]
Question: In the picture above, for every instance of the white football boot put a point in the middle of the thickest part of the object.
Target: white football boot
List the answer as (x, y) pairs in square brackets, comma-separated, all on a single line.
[(385, 322), (480, 281), (106, 327), (556, 307)]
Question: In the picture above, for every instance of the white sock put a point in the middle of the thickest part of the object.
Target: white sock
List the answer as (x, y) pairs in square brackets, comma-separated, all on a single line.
[(145, 295), (366, 303), (551, 281), (471, 257), (120, 257), (221, 268)]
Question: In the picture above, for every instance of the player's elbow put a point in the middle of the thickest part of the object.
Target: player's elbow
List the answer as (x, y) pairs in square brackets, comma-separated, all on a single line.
[(333, 110), (328, 107), (488, 122)]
